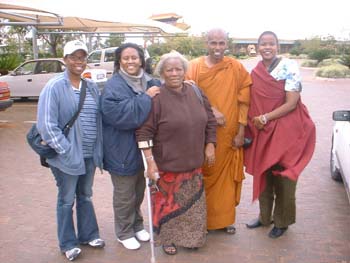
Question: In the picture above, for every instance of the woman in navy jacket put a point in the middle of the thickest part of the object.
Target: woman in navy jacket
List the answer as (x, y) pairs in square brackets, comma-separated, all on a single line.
[(126, 103)]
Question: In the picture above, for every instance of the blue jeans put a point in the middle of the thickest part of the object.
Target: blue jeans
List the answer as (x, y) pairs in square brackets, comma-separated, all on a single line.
[(79, 187)]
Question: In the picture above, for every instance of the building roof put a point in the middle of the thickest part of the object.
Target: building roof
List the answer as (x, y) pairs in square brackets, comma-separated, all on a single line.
[(182, 26), (165, 16), (255, 41)]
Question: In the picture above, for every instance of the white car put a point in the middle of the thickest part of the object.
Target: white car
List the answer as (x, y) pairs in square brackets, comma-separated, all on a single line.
[(104, 59), (29, 78), (340, 151)]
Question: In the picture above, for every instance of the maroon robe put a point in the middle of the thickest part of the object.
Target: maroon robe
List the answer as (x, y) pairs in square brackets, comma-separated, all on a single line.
[(288, 141)]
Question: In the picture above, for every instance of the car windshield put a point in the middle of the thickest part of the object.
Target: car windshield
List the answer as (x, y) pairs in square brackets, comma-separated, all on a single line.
[(95, 57), (109, 55), (25, 69)]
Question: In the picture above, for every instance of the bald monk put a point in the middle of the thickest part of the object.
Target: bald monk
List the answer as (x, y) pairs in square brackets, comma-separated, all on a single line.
[(226, 83)]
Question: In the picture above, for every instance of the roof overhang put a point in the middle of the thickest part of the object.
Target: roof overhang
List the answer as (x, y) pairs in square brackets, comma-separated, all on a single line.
[(49, 22), (27, 16)]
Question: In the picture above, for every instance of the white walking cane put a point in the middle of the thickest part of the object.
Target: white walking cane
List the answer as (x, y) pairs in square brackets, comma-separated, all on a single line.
[(149, 206)]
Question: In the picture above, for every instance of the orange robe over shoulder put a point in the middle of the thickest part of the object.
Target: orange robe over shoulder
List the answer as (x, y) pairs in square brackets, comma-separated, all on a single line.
[(227, 86)]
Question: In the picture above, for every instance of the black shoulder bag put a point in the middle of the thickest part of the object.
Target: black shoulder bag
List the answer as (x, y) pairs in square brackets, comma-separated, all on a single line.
[(41, 147)]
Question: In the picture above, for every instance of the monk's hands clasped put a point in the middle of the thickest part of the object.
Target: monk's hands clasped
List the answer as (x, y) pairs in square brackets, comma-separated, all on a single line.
[(238, 141)]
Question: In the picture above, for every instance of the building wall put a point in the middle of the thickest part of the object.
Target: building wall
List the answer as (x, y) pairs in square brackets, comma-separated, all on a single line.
[(242, 48)]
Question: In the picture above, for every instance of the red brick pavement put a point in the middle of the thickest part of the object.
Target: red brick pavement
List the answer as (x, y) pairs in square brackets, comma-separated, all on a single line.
[(321, 234)]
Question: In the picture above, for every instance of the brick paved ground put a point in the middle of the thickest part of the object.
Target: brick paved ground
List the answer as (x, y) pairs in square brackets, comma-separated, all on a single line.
[(321, 234)]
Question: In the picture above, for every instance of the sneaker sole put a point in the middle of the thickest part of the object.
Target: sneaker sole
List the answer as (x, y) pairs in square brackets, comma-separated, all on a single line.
[(73, 257)]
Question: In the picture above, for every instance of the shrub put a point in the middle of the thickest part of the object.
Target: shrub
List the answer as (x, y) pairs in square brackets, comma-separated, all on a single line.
[(8, 62), (320, 54), (328, 62), (295, 51), (334, 71), (345, 60), (309, 63)]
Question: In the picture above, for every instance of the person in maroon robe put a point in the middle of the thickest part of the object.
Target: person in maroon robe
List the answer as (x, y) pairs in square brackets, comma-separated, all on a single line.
[(283, 136)]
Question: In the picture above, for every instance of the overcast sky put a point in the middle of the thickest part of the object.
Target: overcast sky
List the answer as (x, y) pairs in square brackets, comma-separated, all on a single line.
[(296, 19)]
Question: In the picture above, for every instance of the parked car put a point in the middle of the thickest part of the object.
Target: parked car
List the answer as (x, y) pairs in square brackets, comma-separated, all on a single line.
[(5, 101), (340, 151), (104, 59), (29, 78)]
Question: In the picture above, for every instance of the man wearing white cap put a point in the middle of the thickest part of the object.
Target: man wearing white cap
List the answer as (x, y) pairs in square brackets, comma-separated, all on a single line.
[(78, 153)]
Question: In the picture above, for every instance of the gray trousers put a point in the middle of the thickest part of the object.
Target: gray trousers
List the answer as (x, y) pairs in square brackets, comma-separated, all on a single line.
[(128, 194), (279, 197)]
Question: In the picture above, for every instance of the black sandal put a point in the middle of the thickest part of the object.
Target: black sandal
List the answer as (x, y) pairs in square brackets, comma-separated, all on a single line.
[(169, 249)]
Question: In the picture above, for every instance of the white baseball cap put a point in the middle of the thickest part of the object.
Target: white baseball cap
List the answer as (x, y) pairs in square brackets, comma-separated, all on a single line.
[(73, 46)]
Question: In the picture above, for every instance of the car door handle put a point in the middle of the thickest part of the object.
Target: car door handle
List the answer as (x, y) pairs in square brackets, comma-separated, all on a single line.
[(29, 80)]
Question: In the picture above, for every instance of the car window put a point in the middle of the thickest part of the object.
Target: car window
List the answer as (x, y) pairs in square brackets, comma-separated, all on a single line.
[(95, 57), (49, 67), (109, 55), (26, 68)]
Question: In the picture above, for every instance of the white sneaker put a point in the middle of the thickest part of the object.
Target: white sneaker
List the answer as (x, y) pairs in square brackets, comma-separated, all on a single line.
[(72, 253), (130, 243), (143, 235), (98, 243)]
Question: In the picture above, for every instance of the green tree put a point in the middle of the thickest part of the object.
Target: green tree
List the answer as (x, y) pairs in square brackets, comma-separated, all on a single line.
[(53, 41), (19, 33), (297, 48), (320, 54), (115, 40), (310, 45), (188, 46)]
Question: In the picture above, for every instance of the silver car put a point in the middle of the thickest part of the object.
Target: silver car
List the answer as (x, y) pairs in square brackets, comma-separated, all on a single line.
[(340, 151), (29, 78)]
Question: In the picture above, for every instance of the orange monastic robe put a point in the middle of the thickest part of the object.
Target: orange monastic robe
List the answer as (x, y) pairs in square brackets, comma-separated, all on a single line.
[(226, 85)]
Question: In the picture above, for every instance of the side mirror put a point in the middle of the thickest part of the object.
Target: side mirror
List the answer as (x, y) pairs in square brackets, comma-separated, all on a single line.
[(341, 115)]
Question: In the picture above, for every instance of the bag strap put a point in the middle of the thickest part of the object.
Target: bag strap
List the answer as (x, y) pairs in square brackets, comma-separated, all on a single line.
[(69, 125), (198, 93)]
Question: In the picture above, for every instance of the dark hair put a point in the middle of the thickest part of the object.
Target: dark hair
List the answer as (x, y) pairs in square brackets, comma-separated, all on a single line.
[(149, 66), (119, 50), (268, 33)]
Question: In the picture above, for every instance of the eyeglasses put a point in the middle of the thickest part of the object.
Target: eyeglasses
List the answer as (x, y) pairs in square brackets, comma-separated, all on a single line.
[(76, 58)]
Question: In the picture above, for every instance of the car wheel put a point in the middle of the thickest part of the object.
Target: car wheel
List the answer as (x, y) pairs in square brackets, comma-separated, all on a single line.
[(335, 173)]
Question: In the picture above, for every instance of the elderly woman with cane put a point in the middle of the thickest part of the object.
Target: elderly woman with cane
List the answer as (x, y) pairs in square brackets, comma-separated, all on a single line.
[(176, 139)]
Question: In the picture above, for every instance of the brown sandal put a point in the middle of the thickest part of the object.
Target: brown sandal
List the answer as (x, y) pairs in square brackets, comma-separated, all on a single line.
[(169, 249)]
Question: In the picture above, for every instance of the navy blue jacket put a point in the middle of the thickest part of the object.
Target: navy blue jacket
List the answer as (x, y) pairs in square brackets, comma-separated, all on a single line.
[(123, 111)]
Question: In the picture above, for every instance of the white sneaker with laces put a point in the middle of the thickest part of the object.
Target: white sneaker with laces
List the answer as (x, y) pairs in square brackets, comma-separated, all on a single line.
[(130, 243), (98, 243), (72, 253), (143, 235)]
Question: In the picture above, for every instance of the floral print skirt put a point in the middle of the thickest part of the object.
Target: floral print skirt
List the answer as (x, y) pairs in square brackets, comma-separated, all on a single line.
[(179, 210)]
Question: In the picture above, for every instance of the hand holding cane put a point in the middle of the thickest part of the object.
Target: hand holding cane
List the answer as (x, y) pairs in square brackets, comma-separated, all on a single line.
[(149, 204)]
